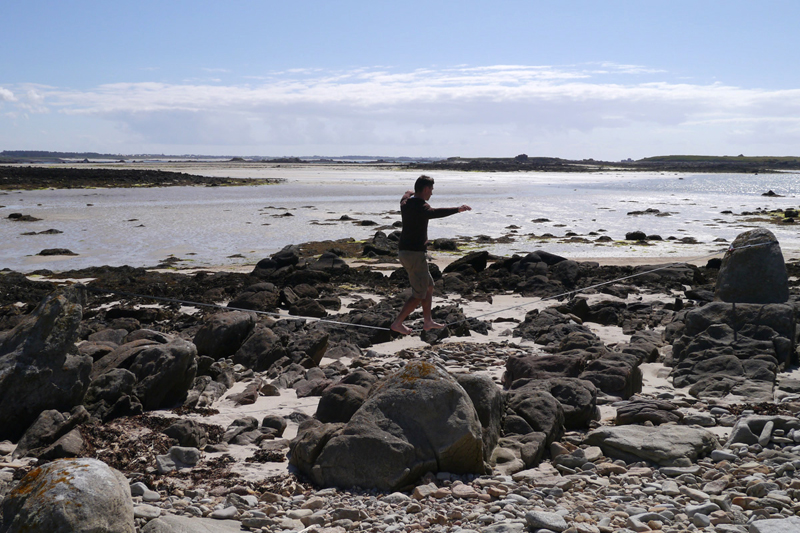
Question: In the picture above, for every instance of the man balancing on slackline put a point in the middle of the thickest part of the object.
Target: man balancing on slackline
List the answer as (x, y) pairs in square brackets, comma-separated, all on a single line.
[(413, 241)]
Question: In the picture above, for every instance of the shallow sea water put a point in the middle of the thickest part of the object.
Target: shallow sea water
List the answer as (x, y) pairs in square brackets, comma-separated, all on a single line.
[(205, 226)]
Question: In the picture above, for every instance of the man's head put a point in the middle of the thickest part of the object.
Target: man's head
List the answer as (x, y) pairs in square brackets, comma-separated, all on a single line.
[(422, 183)]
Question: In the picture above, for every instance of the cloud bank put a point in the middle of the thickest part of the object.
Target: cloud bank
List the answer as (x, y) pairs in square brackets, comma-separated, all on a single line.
[(603, 111)]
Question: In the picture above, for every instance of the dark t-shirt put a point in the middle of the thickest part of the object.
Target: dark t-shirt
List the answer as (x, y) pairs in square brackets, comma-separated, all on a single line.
[(416, 213)]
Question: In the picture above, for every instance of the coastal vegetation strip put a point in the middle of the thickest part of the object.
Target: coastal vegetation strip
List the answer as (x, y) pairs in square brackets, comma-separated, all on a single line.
[(674, 163), (29, 178)]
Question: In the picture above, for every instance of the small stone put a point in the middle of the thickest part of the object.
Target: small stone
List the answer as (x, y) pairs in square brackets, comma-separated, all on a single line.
[(704, 508), (314, 504), (291, 525), (544, 520), (256, 522), (717, 486), (140, 489), (165, 464), (766, 433), (146, 511), (675, 471), (636, 525), (464, 491), (441, 492), (151, 496), (423, 491), (270, 497), (670, 488), (497, 492), (700, 419), (184, 456), (248, 501), (694, 494), (413, 508), (396, 498), (606, 469), (227, 513), (723, 455), (745, 502), (720, 517)]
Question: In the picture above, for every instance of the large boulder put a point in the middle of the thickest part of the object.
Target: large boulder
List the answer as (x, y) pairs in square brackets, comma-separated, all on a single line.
[(615, 373), (340, 402), (70, 496), (188, 432), (164, 372), (566, 364), (778, 317), (567, 272), (47, 429), (518, 452), (111, 395), (417, 420), (223, 334), (550, 327), (578, 398), (667, 445), (38, 370), (474, 260), (204, 392), (641, 410), (539, 410), (753, 270), (288, 256), (488, 401), (331, 262), (258, 297), (723, 351), (261, 349)]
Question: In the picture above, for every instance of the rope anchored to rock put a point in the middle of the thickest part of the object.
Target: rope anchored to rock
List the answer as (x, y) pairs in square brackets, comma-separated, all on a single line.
[(731, 248)]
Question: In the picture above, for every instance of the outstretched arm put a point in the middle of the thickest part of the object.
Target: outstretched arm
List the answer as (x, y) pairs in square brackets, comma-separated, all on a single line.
[(441, 212)]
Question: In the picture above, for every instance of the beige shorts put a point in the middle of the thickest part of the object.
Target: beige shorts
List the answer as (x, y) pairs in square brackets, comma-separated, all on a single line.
[(418, 275)]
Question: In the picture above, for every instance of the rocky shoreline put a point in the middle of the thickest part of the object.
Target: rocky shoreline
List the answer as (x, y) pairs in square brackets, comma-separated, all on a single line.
[(30, 178), (640, 404)]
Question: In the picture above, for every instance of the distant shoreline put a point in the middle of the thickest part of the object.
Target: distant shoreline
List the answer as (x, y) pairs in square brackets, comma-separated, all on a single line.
[(740, 164), (31, 178)]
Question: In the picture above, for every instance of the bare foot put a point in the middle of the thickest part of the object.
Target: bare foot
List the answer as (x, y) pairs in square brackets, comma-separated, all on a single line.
[(432, 325), (401, 328)]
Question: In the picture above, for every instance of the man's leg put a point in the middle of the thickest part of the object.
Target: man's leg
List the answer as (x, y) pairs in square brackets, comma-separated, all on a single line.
[(427, 304), (407, 309)]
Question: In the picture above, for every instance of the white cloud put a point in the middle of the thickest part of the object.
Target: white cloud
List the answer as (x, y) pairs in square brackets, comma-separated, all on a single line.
[(470, 110), (6, 95)]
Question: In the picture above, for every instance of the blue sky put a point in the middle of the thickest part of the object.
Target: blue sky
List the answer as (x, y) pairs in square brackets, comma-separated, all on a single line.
[(575, 79)]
